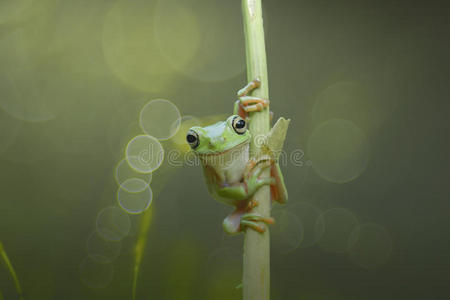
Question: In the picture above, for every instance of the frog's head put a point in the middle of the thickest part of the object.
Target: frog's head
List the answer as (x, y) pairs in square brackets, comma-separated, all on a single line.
[(220, 137)]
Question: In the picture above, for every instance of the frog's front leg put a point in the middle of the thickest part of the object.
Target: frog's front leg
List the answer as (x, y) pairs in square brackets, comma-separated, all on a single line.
[(247, 104), (249, 184)]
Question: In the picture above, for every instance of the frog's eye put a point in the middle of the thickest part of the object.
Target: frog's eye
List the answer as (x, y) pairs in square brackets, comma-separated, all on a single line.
[(192, 139), (239, 125)]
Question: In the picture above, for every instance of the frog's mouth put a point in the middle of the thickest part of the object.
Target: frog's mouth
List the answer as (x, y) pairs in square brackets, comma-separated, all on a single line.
[(237, 147)]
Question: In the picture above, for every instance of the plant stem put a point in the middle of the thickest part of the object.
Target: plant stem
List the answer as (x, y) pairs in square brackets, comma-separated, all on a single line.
[(256, 277)]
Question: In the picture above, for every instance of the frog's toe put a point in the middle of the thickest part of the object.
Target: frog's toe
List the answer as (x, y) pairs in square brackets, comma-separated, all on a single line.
[(252, 220), (261, 166), (254, 84), (253, 225), (258, 218), (266, 181), (252, 104)]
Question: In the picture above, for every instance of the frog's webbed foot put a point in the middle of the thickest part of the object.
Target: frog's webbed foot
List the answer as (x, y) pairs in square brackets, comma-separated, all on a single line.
[(247, 104), (254, 170), (252, 175), (252, 104), (255, 166), (254, 84)]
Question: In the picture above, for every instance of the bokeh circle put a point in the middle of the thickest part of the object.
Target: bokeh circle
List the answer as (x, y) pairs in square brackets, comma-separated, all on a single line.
[(113, 224), (144, 153), (137, 202), (339, 150), (95, 274), (287, 232), (336, 230), (160, 118), (124, 171), (370, 245), (102, 250)]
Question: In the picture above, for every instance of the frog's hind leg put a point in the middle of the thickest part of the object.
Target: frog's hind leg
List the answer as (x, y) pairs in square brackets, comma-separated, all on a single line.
[(241, 218), (232, 223), (278, 191), (251, 220)]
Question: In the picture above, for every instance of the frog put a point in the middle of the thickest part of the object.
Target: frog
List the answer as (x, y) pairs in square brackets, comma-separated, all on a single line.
[(231, 175)]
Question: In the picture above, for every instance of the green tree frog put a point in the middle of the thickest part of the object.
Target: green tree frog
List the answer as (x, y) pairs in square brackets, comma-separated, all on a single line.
[(232, 177)]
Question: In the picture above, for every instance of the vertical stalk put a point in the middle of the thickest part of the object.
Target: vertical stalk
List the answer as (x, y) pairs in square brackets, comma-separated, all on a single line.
[(256, 273)]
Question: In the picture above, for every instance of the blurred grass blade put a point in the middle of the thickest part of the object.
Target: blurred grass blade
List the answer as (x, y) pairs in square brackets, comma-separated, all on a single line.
[(161, 177), (140, 246), (11, 271)]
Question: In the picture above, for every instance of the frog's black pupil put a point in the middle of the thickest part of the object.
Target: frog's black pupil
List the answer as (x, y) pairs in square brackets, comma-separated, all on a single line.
[(191, 138), (240, 124)]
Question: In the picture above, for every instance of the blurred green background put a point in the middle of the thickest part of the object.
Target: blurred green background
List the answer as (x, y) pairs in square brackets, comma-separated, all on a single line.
[(365, 84)]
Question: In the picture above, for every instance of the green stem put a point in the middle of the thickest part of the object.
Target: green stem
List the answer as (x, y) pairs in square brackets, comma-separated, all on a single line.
[(140, 247), (11, 270), (256, 277)]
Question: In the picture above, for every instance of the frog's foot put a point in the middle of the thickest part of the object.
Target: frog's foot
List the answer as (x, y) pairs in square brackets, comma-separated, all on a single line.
[(247, 104), (255, 83), (257, 165), (251, 220), (241, 218), (250, 166), (252, 104), (252, 180)]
